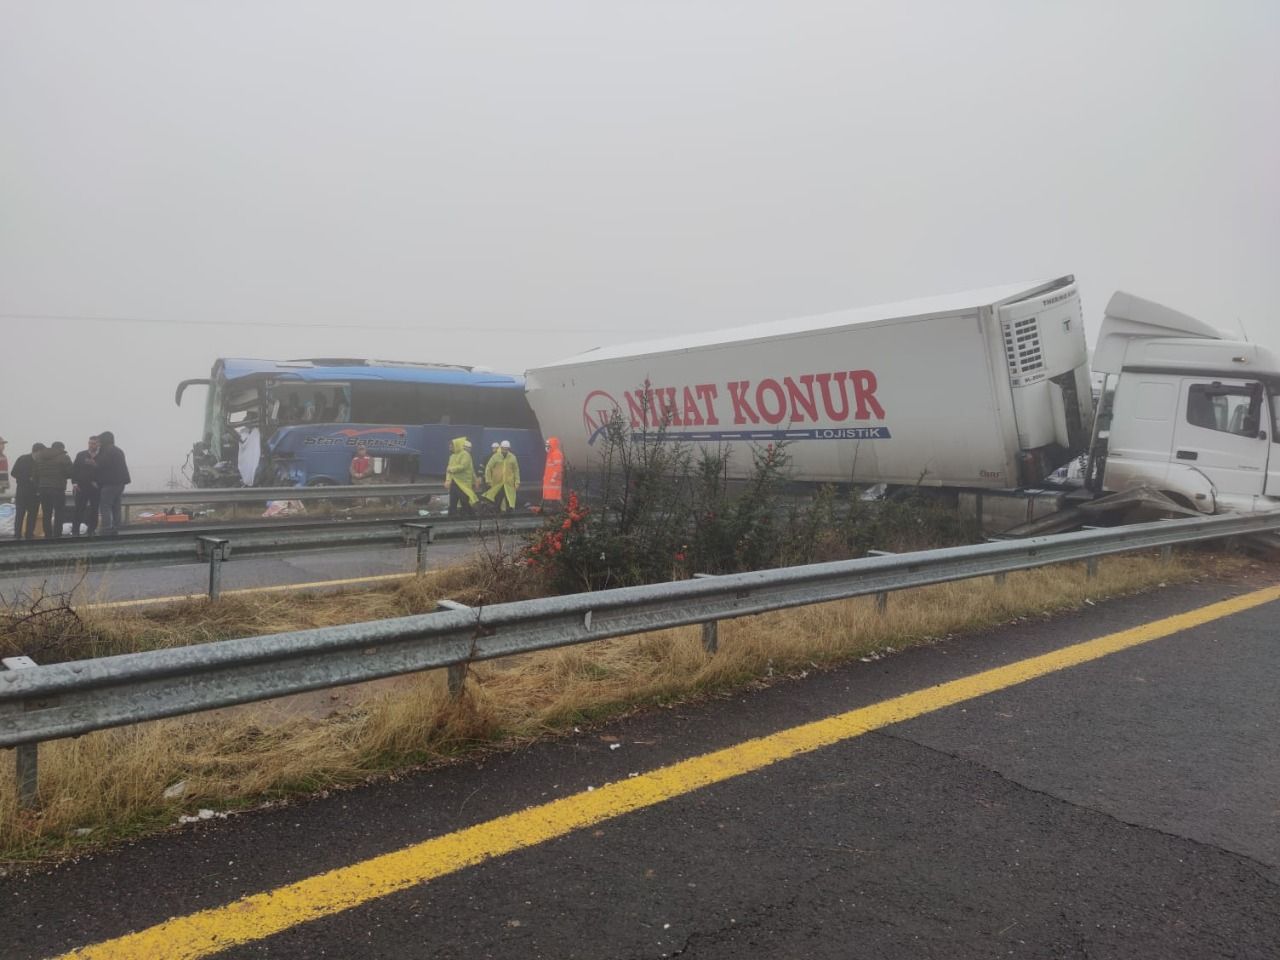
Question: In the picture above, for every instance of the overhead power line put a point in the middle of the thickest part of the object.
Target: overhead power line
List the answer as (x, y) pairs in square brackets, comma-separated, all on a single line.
[(172, 321)]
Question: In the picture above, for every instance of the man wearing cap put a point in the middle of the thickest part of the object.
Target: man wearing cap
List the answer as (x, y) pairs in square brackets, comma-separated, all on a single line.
[(506, 478)]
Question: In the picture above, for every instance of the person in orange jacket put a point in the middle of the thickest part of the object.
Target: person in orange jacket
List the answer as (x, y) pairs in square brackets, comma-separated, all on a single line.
[(553, 472)]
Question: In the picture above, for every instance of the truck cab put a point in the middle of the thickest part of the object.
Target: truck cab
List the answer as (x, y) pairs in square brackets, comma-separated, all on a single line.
[(1186, 411)]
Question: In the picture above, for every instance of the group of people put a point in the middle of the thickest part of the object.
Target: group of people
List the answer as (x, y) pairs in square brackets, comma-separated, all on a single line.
[(98, 475), (501, 476)]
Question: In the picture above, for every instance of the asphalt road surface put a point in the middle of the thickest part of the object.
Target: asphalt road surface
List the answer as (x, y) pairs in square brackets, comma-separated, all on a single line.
[(1118, 805), (175, 580)]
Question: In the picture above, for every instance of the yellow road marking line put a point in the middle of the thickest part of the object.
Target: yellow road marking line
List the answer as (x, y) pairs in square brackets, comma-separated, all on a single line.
[(260, 915), (311, 585)]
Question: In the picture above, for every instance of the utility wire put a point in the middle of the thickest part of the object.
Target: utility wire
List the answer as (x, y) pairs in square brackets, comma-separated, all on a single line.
[(170, 321)]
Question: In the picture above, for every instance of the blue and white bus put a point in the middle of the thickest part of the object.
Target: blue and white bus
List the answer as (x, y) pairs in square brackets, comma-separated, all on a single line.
[(299, 422)]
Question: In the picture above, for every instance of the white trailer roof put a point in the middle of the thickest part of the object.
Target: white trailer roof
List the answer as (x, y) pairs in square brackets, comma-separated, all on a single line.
[(955, 303)]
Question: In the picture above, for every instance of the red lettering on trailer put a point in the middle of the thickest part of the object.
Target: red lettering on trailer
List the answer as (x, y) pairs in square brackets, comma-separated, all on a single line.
[(833, 397), (691, 415), (637, 409), (802, 402), (864, 395), (667, 403), (824, 382), (707, 394), (742, 412), (770, 385)]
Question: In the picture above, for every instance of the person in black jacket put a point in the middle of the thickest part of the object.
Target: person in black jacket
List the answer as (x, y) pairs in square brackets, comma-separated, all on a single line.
[(26, 498), (52, 470), (84, 484), (113, 477)]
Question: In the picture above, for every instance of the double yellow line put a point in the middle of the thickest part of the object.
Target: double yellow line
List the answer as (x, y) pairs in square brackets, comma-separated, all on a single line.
[(261, 915)]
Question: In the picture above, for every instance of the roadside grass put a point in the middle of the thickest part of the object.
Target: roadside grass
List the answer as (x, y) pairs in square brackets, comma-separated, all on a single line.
[(76, 627), (111, 783)]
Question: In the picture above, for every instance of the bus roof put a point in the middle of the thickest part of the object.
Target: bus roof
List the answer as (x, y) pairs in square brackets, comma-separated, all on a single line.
[(236, 368)]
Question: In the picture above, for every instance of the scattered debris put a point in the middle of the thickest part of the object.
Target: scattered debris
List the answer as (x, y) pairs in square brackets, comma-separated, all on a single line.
[(203, 813), (176, 791)]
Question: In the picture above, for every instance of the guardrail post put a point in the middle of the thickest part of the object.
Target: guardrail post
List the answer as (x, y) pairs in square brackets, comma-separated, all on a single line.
[(1001, 577), (710, 629), (1091, 567), (422, 535), (457, 671), (1166, 553), (882, 598), (28, 754), (215, 549)]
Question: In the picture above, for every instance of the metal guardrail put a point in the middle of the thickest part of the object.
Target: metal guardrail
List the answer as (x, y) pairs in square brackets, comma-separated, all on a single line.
[(67, 699), (262, 494), (196, 544), (184, 544), (160, 532), (194, 495)]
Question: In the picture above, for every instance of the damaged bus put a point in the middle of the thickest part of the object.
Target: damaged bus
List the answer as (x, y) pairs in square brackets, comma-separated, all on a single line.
[(278, 423)]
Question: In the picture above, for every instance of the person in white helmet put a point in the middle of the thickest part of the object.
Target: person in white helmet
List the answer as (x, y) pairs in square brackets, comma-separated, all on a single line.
[(506, 478), (491, 466)]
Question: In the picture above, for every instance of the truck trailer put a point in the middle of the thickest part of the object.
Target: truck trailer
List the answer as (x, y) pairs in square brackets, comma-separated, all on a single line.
[(987, 390), (982, 392)]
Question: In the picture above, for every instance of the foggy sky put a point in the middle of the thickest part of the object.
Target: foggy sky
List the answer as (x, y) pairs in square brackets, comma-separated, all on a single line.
[(509, 183)]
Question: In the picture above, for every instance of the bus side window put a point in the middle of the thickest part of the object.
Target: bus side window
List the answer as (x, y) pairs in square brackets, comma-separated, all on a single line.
[(375, 402)]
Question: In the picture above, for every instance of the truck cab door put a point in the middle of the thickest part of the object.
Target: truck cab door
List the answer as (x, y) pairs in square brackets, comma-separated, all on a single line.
[(1221, 431), (1269, 424)]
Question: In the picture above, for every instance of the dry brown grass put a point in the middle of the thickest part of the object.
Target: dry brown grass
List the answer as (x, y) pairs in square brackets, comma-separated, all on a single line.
[(113, 781), (88, 629)]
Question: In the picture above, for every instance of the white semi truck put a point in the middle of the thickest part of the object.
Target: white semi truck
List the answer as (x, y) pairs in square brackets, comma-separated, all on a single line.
[(983, 391), (1185, 410)]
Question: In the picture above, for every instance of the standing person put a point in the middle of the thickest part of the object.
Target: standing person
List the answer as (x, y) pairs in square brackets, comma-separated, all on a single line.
[(113, 477), (552, 473), (506, 478), (26, 497), (84, 485), (491, 467), (361, 465), (4, 468), (52, 470), (460, 477)]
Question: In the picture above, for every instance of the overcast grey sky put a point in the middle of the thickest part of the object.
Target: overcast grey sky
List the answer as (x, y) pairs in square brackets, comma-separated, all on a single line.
[(505, 183)]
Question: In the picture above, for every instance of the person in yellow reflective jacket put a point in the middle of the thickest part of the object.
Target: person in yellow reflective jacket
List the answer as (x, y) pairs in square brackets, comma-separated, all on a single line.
[(491, 468), (460, 477), (506, 478)]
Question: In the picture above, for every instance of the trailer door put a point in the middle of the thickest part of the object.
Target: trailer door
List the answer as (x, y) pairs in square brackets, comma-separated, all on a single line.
[(1220, 433)]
